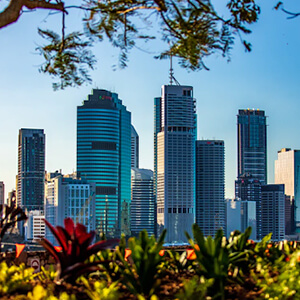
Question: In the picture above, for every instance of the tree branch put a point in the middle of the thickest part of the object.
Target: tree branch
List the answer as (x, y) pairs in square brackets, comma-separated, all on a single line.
[(14, 9)]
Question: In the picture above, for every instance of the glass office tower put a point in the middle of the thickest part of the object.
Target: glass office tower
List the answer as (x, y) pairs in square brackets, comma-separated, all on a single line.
[(252, 143), (104, 157), (31, 169), (174, 160), (210, 186), (142, 201)]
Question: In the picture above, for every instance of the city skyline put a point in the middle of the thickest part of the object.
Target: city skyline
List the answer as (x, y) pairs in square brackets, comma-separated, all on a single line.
[(265, 79)]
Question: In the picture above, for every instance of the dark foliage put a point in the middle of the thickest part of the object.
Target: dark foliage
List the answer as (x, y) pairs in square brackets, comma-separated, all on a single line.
[(76, 249), (10, 215)]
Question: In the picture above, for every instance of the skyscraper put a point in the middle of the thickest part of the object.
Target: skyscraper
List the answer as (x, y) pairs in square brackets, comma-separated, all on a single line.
[(252, 143), (210, 185), (272, 208), (248, 189), (104, 157), (134, 148), (174, 160), (31, 169), (142, 201), (287, 172)]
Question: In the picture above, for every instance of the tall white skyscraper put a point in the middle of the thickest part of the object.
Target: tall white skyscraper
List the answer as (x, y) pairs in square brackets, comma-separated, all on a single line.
[(174, 160), (287, 172)]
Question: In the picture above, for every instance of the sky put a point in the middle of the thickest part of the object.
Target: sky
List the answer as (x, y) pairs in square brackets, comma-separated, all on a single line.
[(267, 79)]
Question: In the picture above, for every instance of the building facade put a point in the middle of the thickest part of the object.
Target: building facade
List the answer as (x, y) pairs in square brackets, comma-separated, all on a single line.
[(69, 197), (142, 213), (248, 188), (233, 216), (174, 160), (273, 211), (134, 148), (35, 225), (31, 169), (104, 157), (287, 172), (210, 186), (252, 143), (2, 192)]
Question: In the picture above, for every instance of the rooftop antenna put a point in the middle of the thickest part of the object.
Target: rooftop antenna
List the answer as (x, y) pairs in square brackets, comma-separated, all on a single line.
[(172, 73)]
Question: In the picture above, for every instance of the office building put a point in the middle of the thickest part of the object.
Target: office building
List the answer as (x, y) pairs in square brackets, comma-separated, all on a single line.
[(2, 191), (210, 185), (289, 215), (69, 197), (104, 157), (142, 202), (249, 218), (273, 211), (174, 160), (252, 143), (233, 216), (287, 172), (248, 188), (134, 148), (31, 169), (35, 225)]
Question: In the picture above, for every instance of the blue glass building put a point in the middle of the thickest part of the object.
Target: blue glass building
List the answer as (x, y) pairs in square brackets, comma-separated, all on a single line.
[(252, 143), (31, 168), (104, 157)]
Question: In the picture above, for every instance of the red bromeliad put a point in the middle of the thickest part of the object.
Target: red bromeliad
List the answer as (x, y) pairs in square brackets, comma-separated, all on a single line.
[(76, 248)]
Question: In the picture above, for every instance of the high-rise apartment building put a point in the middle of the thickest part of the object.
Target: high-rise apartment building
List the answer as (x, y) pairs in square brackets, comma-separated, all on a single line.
[(252, 143), (210, 186), (248, 189), (69, 197), (31, 169), (273, 214), (134, 148), (174, 160), (104, 157), (287, 172), (2, 190), (142, 210)]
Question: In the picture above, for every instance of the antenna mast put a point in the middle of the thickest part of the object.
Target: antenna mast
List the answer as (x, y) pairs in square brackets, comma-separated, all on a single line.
[(172, 73)]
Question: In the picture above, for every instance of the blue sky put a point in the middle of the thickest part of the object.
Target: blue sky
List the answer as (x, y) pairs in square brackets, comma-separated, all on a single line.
[(267, 78)]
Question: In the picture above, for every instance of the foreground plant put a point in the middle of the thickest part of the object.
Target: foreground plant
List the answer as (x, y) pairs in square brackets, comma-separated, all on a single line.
[(76, 246), (15, 278), (218, 257), (144, 268), (10, 215)]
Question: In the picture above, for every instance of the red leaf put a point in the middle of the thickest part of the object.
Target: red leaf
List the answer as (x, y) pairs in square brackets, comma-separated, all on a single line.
[(69, 225), (80, 230), (59, 238), (50, 248)]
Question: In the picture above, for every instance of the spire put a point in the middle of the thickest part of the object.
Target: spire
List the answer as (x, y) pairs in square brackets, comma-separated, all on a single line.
[(172, 73)]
